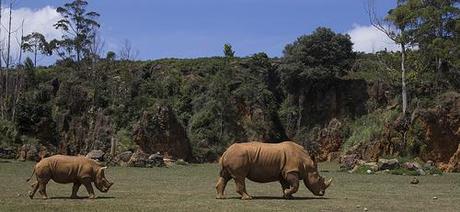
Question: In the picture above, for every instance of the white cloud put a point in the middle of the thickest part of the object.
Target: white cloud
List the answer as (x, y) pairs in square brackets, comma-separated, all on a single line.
[(368, 39), (38, 20)]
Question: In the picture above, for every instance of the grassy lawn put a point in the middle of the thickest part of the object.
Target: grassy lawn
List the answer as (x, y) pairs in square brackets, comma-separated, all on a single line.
[(191, 188)]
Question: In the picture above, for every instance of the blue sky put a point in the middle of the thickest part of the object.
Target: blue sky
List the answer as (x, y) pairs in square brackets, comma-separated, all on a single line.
[(200, 28)]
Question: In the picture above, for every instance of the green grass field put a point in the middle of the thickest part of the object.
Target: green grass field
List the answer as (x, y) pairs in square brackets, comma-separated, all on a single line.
[(191, 188)]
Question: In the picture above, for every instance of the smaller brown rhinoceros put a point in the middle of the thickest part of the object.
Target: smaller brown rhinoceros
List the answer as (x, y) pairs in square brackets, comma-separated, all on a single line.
[(69, 169), (286, 162)]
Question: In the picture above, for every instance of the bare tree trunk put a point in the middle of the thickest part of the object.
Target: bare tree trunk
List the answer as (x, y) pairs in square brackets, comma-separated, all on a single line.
[(9, 38), (35, 55), (21, 43), (300, 111), (403, 79), (1, 69), (113, 146)]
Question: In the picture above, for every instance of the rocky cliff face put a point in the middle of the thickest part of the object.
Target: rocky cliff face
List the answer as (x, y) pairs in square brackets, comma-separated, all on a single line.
[(81, 134), (442, 128), (158, 130), (325, 100)]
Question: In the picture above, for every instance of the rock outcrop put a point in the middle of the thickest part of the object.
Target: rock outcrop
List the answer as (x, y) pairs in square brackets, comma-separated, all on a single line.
[(442, 129), (160, 131), (330, 140)]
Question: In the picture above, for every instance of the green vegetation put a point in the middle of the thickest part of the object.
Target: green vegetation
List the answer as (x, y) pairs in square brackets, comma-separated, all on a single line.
[(221, 100), (367, 128), (191, 188)]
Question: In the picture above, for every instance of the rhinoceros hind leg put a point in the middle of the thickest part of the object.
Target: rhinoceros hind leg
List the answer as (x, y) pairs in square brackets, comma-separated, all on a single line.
[(87, 183), (220, 187), (241, 188), (34, 189), (293, 180), (224, 177), (75, 188)]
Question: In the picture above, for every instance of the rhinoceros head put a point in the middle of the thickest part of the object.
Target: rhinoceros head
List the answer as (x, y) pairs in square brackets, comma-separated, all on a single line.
[(101, 183), (317, 184)]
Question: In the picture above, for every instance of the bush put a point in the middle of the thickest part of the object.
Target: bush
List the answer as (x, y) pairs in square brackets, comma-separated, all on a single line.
[(8, 133), (367, 128), (403, 171)]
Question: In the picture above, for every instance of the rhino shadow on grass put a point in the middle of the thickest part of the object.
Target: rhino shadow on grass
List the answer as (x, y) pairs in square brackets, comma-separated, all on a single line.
[(79, 198), (281, 198)]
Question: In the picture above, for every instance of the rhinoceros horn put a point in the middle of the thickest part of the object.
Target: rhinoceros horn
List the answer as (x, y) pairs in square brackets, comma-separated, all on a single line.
[(328, 183), (105, 167)]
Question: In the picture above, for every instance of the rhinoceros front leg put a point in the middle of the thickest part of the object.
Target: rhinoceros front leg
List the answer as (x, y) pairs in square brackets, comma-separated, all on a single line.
[(284, 186), (75, 188), (241, 188), (34, 190), (42, 188), (293, 180), (87, 183)]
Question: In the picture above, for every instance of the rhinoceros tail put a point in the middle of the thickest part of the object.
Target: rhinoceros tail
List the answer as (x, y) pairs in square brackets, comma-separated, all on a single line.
[(33, 172)]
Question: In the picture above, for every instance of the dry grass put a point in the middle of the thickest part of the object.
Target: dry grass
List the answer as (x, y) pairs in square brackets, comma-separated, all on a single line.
[(191, 188)]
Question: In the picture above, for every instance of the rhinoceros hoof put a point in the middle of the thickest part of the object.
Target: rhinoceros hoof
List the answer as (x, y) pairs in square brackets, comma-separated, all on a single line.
[(74, 197), (92, 197), (288, 196), (220, 197), (30, 195), (246, 198)]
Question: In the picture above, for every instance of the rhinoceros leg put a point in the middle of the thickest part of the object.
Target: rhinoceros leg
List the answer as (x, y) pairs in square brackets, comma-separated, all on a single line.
[(284, 186), (220, 187), (293, 180), (241, 188), (87, 183), (42, 188), (224, 177), (34, 189), (75, 188)]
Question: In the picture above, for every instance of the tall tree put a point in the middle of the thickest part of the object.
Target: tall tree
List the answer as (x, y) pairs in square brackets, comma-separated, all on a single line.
[(322, 54), (36, 43), (8, 48), (127, 52), (228, 51), (78, 28), (436, 24), (397, 25)]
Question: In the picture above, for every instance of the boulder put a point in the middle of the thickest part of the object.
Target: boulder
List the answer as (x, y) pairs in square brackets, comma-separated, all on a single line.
[(138, 159), (411, 166), (421, 172), (28, 152), (334, 156), (96, 155), (157, 159), (349, 161), (123, 158), (160, 131), (142, 159), (7, 153), (388, 164), (373, 166)]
